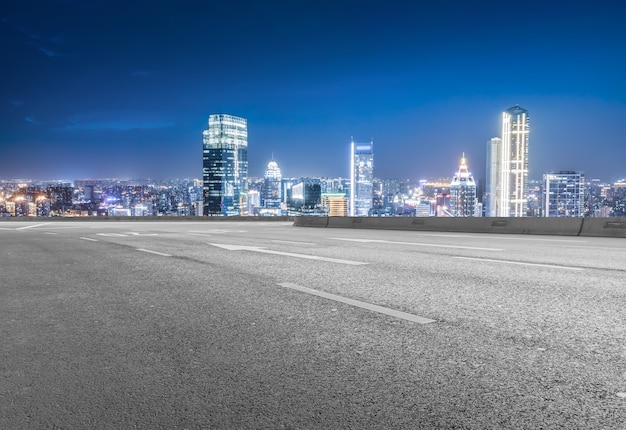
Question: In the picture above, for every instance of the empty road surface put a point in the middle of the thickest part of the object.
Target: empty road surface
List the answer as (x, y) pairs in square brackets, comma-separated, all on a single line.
[(262, 325)]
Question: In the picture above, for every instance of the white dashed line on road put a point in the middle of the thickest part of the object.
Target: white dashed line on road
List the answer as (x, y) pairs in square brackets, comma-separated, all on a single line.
[(32, 226), (49, 232), (90, 239), (287, 254), (359, 304), (551, 266), (293, 242), (154, 252)]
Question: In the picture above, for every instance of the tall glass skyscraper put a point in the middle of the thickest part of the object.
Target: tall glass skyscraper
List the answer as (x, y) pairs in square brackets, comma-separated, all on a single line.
[(492, 188), (225, 166), (361, 178), (506, 191), (563, 194), (463, 192), (514, 163)]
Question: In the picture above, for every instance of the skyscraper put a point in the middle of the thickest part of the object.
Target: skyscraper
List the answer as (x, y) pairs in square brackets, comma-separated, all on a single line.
[(492, 188), (563, 194), (225, 166), (506, 192), (272, 196), (463, 192), (361, 178), (514, 163)]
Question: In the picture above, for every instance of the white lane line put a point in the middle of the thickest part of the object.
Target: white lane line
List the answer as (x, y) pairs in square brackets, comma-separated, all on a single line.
[(49, 232), (287, 254), (293, 242), (90, 239), (111, 234), (359, 304), (519, 263), (537, 240), (32, 226), (433, 245), (153, 252)]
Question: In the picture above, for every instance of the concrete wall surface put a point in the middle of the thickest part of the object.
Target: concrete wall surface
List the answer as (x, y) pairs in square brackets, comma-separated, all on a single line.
[(607, 227), (604, 227)]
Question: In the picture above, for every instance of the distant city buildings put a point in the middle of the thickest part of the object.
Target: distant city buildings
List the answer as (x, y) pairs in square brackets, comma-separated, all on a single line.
[(225, 166), (563, 194), (361, 178), (226, 188), (507, 166), (463, 192)]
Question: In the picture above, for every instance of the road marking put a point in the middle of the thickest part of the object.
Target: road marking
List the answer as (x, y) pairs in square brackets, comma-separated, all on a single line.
[(88, 238), (417, 244), (32, 226), (551, 266), (217, 231), (536, 240), (132, 233), (153, 252), (359, 304), (111, 234), (49, 232), (293, 242), (287, 254)]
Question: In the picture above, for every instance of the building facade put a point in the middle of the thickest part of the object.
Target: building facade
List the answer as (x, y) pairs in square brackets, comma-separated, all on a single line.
[(361, 178), (513, 166), (563, 194), (225, 166), (463, 192), (492, 187), (272, 190)]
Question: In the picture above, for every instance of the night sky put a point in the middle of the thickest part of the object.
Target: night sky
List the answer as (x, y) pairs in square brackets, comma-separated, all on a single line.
[(95, 89)]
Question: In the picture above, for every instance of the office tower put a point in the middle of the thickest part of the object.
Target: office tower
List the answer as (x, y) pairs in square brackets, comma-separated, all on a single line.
[(335, 204), (463, 192), (272, 195), (306, 197), (492, 188), (225, 166), (361, 178), (563, 194), (513, 166)]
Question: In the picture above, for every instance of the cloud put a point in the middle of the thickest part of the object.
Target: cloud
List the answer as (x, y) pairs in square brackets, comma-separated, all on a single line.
[(31, 120), (47, 52)]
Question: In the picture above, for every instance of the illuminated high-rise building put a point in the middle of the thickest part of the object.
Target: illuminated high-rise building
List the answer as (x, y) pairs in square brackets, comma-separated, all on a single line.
[(361, 178), (272, 195), (563, 194), (463, 192), (513, 167), (225, 166), (506, 193)]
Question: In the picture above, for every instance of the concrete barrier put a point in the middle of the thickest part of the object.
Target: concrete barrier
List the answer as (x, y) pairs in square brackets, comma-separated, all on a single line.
[(551, 226), (310, 221), (604, 227)]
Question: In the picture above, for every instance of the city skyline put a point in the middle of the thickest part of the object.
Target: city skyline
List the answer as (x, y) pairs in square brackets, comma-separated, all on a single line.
[(110, 90)]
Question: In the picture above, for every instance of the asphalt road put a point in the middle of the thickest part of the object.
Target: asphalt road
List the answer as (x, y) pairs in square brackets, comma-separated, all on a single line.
[(266, 326)]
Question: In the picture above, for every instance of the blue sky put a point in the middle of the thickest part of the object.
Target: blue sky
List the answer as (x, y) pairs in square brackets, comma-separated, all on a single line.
[(124, 89)]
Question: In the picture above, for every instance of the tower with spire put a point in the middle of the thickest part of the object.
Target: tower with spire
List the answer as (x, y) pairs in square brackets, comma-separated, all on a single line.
[(463, 192)]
